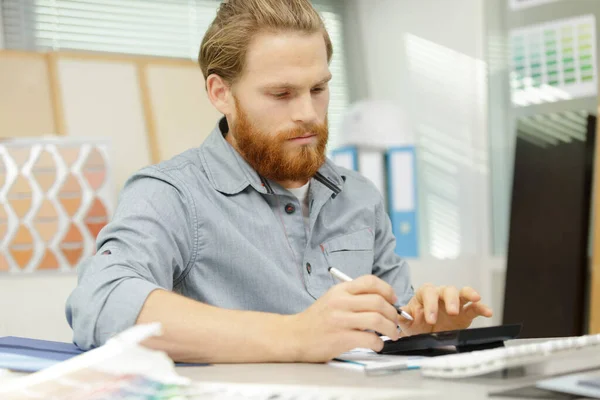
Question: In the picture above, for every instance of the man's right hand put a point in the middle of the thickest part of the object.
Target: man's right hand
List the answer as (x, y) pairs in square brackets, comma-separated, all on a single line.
[(341, 319)]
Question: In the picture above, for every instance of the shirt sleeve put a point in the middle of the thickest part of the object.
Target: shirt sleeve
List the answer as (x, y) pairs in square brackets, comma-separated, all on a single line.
[(387, 264), (149, 244)]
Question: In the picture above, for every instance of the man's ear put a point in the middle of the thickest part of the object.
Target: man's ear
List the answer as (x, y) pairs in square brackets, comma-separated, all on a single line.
[(219, 94)]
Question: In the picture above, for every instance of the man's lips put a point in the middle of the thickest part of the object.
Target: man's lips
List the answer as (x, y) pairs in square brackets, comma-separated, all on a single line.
[(307, 136)]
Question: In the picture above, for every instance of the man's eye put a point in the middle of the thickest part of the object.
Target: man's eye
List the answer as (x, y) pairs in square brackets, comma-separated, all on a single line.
[(280, 95), (318, 90)]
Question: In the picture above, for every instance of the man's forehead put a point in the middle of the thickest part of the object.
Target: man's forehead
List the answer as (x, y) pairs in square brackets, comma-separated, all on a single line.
[(295, 82), (287, 58)]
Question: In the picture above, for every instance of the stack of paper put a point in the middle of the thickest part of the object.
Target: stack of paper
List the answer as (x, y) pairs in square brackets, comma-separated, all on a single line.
[(373, 363)]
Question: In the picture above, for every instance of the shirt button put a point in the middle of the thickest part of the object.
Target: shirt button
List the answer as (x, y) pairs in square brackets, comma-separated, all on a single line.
[(290, 208), (308, 268)]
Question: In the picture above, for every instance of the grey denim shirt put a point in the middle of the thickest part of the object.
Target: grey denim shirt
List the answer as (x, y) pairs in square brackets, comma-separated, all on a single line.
[(205, 225)]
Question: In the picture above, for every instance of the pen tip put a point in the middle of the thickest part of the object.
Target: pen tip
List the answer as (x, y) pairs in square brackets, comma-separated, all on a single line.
[(329, 269)]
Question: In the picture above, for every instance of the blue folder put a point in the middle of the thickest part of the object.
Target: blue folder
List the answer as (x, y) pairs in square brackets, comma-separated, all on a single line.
[(32, 355), (403, 204)]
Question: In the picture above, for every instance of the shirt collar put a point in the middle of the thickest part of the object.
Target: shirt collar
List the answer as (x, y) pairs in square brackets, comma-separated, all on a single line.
[(229, 173)]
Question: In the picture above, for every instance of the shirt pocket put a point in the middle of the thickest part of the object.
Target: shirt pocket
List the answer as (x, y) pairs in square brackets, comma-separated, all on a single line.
[(351, 253)]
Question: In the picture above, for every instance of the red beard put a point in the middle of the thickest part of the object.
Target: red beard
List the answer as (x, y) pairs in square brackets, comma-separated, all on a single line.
[(273, 156)]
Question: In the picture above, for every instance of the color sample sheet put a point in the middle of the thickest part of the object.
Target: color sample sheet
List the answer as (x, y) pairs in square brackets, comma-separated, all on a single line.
[(55, 196), (89, 384), (554, 61)]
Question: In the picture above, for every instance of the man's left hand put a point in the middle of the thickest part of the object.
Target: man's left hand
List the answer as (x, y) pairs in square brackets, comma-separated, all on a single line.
[(442, 308)]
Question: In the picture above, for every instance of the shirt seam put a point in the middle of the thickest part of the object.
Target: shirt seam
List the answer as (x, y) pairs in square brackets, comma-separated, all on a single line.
[(196, 239)]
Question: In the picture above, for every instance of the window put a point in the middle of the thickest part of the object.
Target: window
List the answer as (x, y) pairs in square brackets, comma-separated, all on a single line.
[(165, 28)]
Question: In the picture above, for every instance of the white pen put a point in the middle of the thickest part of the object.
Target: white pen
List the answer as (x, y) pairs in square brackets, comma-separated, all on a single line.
[(345, 278)]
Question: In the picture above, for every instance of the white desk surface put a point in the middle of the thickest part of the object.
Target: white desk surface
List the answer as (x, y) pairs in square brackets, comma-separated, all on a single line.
[(326, 375)]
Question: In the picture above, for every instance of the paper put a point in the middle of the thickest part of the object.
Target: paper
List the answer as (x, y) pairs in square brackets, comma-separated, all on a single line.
[(554, 61), (122, 369), (586, 385), (120, 363), (519, 4), (373, 363)]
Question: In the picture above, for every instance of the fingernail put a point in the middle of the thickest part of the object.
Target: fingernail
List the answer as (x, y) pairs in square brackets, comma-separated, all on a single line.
[(395, 299), (454, 307), (432, 317)]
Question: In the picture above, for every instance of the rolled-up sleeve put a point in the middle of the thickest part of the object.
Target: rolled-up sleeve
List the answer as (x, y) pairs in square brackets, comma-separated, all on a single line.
[(148, 245), (387, 264)]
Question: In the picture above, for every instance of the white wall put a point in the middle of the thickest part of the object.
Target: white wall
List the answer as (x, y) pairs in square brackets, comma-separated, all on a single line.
[(33, 306), (428, 57)]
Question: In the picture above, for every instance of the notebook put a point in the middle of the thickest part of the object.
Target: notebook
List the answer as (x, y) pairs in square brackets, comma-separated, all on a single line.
[(32, 355)]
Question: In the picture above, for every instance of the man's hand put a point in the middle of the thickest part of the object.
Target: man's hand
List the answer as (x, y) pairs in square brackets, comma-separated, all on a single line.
[(341, 319), (442, 308)]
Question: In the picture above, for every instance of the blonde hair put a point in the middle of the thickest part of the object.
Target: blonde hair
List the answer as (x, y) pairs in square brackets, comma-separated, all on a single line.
[(224, 47)]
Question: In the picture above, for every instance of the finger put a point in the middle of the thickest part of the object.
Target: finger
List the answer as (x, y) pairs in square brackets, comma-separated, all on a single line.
[(406, 323), (428, 296), (364, 340), (468, 294), (372, 321), (478, 309), (451, 299), (372, 303), (370, 284)]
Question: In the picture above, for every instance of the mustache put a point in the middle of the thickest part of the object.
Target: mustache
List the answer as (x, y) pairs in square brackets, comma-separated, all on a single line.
[(318, 130)]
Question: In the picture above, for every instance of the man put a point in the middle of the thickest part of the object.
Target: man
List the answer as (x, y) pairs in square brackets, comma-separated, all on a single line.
[(228, 245)]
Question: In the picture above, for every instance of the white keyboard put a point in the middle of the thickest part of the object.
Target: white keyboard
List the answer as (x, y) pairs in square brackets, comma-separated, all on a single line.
[(551, 356)]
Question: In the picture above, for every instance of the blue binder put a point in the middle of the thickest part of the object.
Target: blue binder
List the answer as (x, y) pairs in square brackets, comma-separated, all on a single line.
[(402, 195), (346, 157)]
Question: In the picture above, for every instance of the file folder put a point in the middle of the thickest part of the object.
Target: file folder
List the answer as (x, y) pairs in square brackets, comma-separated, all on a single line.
[(346, 157), (369, 162), (402, 195), (32, 355)]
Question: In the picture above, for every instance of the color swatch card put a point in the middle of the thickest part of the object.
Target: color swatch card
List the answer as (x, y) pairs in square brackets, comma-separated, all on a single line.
[(55, 196), (554, 61)]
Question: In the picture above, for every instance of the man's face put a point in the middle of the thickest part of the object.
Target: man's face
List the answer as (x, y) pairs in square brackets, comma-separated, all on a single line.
[(281, 100)]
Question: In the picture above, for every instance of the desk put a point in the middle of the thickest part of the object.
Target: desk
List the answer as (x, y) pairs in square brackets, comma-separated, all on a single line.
[(325, 375)]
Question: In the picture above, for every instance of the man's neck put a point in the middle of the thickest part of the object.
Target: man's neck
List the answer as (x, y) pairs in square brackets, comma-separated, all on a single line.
[(286, 184)]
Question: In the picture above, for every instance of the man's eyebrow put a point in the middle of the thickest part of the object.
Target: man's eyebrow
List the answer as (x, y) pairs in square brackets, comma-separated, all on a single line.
[(286, 85)]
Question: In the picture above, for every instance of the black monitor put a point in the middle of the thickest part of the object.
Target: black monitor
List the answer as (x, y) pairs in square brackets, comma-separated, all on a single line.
[(547, 261)]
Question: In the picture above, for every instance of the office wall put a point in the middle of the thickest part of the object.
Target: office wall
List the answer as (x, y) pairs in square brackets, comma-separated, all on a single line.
[(26, 92), (29, 303), (100, 96), (428, 57)]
